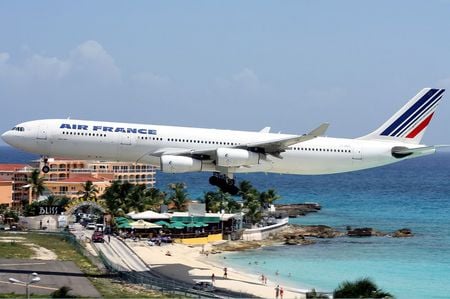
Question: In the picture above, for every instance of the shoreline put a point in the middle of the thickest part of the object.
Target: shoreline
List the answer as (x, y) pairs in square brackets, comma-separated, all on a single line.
[(188, 264)]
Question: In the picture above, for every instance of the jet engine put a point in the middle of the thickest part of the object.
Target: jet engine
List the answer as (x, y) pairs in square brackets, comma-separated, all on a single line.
[(233, 157), (179, 164)]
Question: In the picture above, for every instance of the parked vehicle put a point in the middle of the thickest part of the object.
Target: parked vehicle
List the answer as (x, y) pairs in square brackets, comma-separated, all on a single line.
[(91, 225), (97, 236)]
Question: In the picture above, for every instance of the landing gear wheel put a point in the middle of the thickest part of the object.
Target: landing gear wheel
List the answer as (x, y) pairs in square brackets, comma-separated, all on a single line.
[(45, 169), (224, 183), (214, 180)]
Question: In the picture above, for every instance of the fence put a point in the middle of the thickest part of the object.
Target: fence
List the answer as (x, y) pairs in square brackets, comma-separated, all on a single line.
[(147, 280), (151, 281)]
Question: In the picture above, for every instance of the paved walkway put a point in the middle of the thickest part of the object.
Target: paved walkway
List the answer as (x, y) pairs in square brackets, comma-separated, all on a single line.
[(53, 274)]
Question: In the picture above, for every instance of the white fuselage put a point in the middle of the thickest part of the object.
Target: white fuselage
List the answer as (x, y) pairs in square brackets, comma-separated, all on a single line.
[(97, 140)]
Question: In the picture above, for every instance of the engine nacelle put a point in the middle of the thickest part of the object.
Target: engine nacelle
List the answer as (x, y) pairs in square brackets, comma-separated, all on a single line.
[(230, 157), (179, 164)]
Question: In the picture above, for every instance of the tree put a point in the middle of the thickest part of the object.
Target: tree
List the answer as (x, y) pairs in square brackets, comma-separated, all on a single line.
[(116, 197), (268, 197), (178, 196), (137, 198), (154, 199), (36, 184), (89, 191), (361, 288), (219, 200)]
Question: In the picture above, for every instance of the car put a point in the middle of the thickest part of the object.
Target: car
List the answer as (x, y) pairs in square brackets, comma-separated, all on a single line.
[(91, 225), (97, 236), (206, 286)]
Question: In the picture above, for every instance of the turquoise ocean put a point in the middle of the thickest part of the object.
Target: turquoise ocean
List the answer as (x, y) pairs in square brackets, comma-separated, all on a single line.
[(414, 194)]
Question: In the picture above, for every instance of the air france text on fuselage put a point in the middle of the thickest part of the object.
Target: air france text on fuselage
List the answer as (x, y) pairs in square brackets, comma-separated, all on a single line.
[(99, 128)]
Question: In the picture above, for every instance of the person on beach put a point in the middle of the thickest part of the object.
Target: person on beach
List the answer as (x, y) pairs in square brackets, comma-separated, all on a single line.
[(225, 272), (281, 293), (213, 278), (277, 291)]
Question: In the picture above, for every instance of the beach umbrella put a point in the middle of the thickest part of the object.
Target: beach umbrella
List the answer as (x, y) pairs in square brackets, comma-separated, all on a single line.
[(121, 219), (141, 224), (124, 225), (163, 223), (190, 225), (178, 225), (200, 224)]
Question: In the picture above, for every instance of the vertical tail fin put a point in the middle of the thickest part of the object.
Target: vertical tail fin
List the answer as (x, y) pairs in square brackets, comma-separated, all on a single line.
[(410, 122)]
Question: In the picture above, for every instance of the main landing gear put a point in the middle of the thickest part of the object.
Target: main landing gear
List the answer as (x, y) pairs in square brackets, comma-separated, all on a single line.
[(225, 183), (45, 168)]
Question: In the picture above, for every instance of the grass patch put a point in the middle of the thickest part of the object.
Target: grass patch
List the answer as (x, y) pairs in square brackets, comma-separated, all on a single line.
[(64, 249), (15, 250)]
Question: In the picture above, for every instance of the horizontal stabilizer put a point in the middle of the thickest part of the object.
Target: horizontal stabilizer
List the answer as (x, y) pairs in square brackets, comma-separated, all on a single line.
[(402, 152)]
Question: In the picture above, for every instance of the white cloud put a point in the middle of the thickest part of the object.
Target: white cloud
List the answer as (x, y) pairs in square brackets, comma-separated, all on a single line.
[(91, 58), (88, 61)]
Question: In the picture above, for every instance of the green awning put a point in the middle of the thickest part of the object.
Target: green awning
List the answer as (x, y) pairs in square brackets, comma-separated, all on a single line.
[(188, 219)]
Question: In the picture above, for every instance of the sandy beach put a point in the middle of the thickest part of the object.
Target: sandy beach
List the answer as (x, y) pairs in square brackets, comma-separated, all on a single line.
[(187, 263)]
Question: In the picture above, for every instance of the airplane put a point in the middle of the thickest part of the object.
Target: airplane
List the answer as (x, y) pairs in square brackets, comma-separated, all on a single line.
[(226, 152)]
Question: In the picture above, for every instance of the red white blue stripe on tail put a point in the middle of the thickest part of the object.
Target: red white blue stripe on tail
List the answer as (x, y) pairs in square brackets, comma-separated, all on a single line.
[(410, 122)]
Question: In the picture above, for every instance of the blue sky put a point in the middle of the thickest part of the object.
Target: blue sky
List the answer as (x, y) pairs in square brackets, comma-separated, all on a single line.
[(290, 65)]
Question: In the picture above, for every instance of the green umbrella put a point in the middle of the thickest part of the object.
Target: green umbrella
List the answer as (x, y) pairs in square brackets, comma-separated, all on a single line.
[(200, 224), (121, 219), (124, 225), (177, 225), (163, 223), (190, 225)]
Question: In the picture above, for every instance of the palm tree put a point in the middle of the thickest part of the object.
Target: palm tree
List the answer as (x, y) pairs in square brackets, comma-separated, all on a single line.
[(116, 197), (267, 198), (178, 196), (137, 198), (89, 191), (154, 199), (36, 183), (361, 288), (219, 200)]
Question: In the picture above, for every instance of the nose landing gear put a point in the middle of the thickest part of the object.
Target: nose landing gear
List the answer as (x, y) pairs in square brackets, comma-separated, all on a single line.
[(225, 183), (45, 168)]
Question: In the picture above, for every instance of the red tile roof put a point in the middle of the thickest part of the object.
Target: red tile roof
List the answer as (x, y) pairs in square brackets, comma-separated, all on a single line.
[(12, 167)]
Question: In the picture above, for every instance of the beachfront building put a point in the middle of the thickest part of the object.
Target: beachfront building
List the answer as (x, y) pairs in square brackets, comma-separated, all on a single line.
[(135, 173), (14, 191), (189, 228), (67, 176)]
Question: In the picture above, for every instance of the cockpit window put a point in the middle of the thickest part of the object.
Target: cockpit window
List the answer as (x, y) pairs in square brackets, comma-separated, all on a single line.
[(20, 129)]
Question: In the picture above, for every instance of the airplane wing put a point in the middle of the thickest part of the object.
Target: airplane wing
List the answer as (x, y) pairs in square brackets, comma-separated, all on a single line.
[(272, 147), (280, 145)]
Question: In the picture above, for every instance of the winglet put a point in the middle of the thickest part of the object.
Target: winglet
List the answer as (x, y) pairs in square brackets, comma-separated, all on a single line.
[(265, 130), (320, 130)]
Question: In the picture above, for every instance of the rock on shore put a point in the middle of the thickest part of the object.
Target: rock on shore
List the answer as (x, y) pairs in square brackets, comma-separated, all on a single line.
[(295, 210), (402, 233)]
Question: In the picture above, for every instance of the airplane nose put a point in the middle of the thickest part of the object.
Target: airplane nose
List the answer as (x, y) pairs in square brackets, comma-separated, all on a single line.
[(6, 137)]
